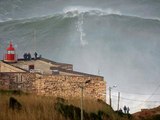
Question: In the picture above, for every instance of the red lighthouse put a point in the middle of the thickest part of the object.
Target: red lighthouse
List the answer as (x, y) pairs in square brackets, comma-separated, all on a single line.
[(10, 56)]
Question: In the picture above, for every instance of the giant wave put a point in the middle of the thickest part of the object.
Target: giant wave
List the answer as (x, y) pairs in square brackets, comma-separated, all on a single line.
[(73, 24), (123, 47)]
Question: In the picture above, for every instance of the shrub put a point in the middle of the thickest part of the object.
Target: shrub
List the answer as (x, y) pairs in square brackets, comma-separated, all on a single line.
[(14, 104)]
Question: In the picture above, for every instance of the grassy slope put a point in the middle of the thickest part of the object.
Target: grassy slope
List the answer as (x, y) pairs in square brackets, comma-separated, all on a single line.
[(43, 108)]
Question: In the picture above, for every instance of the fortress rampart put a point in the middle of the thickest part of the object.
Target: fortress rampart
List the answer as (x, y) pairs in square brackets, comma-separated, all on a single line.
[(54, 85)]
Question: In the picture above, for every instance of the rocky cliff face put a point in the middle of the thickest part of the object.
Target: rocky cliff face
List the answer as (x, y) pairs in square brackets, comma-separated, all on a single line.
[(148, 114)]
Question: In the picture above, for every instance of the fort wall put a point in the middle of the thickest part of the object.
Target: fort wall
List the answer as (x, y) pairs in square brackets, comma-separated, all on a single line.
[(55, 85), (69, 86)]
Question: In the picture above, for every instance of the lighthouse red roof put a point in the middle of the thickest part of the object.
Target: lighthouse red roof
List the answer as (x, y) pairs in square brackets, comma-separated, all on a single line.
[(10, 48)]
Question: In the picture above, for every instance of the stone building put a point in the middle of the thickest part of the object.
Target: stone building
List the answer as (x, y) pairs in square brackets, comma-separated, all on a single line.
[(45, 77)]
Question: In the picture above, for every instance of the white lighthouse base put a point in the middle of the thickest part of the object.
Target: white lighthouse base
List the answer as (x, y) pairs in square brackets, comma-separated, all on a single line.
[(10, 61)]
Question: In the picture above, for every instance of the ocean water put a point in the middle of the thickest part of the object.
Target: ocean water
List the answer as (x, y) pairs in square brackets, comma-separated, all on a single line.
[(117, 42)]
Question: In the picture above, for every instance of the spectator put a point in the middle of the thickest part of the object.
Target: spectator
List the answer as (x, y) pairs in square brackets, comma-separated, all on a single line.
[(35, 54), (25, 56), (125, 109), (128, 110), (29, 56)]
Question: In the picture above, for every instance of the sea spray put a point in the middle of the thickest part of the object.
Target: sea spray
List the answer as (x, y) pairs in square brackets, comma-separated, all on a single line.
[(81, 30), (79, 11)]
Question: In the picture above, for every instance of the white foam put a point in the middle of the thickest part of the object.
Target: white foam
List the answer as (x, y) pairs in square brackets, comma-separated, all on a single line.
[(79, 11), (7, 19), (81, 31), (76, 10)]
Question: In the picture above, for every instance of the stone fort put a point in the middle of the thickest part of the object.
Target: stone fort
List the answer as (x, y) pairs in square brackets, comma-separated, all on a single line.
[(46, 77)]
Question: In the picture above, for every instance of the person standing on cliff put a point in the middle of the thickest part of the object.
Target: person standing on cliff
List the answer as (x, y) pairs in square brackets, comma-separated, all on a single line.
[(125, 109), (29, 56), (128, 110), (35, 54), (25, 56)]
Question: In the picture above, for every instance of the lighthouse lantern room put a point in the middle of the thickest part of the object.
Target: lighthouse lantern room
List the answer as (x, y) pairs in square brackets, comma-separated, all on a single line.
[(10, 56)]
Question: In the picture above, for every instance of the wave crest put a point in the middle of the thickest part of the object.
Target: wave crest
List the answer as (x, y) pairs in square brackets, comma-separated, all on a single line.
[(77, 10)]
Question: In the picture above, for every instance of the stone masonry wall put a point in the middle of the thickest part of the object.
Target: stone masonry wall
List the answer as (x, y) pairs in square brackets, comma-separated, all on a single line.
[(18, 81), (69, 86), (55, 85)]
